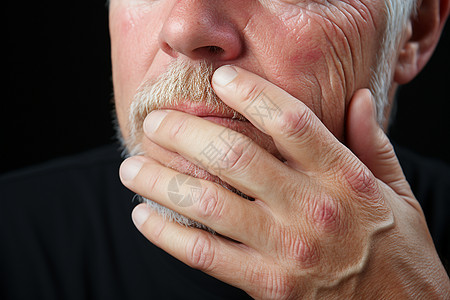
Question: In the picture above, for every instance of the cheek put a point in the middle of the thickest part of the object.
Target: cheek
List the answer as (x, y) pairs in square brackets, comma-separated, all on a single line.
[(318, 58), (133, 47), (300, 62)]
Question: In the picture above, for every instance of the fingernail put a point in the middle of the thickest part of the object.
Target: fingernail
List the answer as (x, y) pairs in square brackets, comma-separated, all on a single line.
[(140, 214), (130, 168), (224, 75), (153, 120)]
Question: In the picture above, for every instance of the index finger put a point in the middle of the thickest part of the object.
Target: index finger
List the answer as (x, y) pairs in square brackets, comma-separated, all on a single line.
[(300, 136)]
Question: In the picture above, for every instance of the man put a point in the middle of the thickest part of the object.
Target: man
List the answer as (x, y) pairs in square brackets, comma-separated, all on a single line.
[(257, 147)]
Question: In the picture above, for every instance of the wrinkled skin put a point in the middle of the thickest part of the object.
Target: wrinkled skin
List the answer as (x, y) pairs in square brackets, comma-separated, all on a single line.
[(328, 220), (315, 52)]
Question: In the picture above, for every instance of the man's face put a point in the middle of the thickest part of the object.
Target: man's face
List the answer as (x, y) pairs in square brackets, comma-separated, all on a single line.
[(318, 51)]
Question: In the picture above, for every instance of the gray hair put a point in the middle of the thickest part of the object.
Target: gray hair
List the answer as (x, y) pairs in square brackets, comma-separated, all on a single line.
[(398, 13)]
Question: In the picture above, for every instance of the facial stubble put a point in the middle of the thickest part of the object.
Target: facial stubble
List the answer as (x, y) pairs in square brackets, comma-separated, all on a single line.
[(181, 82)]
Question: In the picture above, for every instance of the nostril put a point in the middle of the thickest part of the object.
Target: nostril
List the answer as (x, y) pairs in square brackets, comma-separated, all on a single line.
[(210, 52), (215, 50)]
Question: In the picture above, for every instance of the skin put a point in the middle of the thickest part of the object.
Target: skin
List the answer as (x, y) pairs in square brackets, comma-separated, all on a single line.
[(304, 51), (335, 216)]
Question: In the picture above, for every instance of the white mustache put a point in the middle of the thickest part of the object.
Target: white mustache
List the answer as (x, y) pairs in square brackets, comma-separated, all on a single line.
[(181, 82)]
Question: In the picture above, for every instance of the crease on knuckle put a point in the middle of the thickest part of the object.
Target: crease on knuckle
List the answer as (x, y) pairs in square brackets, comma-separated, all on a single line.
[(156, 231), (239, 156), (303, 251), (210, 206), (296, 123), (250, 91), (362, 182), (367, 194), (179, 129), (271, 281), (153, 181), (385, 150), (278, 287), (326, 215), (200, 253)]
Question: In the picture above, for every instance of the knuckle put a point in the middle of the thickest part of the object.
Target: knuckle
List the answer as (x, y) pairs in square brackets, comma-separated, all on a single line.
[(296, 123), (362, 181), (250, 91), (240, 155), (157, 232), (153, 181), (179, 128), (200, 253), (385, 150), (278, 287), (303, 251), (299, 248), (272, 282), (210, 205), (325, 213), (367, 190)]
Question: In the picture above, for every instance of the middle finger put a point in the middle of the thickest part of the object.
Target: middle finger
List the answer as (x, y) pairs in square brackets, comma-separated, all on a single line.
[(223, 152)]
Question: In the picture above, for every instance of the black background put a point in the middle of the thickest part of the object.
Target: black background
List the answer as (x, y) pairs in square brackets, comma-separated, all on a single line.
[(57, 93)]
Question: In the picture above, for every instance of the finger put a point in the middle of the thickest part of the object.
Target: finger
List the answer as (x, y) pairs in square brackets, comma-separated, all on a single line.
[(232, 156), (299, 135), (370, 144), (223, 259), (200, 200)]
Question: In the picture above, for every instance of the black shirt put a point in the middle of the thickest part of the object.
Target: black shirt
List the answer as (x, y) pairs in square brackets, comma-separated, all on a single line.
[(66, 233)]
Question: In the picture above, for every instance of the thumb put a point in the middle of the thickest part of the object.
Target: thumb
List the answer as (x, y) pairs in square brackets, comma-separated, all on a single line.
[(370, 144)]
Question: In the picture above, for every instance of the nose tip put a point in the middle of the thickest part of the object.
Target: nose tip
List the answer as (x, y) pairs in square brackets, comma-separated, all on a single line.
[(200, 32)]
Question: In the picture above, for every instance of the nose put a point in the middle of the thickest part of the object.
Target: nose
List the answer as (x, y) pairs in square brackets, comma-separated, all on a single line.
[(199, 30)]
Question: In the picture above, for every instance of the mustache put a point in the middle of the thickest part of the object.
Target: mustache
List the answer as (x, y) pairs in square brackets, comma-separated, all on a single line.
[(182, 82)]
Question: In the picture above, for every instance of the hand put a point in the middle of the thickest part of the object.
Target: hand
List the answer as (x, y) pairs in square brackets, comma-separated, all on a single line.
[(324, 223)]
